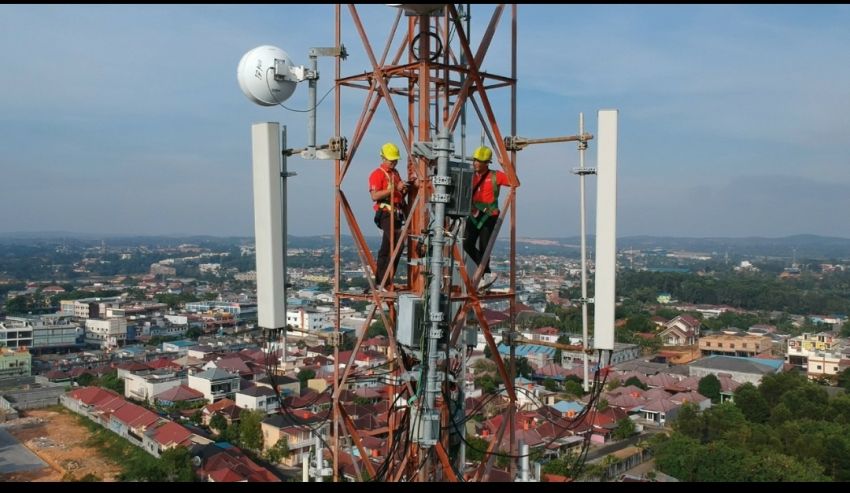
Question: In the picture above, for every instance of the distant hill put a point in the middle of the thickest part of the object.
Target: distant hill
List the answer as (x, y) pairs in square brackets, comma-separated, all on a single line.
[(803, 246), (808, 246)]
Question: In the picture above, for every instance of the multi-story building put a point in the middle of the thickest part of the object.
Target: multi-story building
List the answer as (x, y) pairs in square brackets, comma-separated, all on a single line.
[(215, 384), (821, 364), (144, 385), (15, 363), (299, 438), (622, 352), (89, 307), (237, 309), (734, 345), (681, 331), (111, 332), (257, 398), (42, 332), (800, 348), (309, 320)]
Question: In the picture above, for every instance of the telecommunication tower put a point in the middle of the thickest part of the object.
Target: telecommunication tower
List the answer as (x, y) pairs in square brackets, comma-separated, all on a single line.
[(427, 77)]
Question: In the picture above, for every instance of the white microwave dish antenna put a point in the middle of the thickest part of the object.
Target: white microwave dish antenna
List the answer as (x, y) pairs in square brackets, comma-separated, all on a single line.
[(266, 75)]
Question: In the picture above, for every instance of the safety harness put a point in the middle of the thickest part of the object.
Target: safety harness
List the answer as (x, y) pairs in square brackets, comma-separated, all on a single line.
[(386, 204), (391, 186), (486, 208)]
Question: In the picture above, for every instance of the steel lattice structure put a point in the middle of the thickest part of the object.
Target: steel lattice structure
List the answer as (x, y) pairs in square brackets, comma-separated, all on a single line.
[(436, 87)]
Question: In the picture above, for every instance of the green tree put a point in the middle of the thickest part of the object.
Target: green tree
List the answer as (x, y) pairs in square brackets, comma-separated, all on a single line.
[(602, 405), (551, 385), (218, 423), (574, 388), (176, 465), (750, 401), (625, 428), (476, 448), (18, 305), (86, 379), (844, 376), (709, 386), (689, 422), (636, 382), (112, 382), (278, 451), (523, 367), (677, 455), (194, 333), (304, 376), (486, 383), (725, 421), (377, 328), (250, 432)]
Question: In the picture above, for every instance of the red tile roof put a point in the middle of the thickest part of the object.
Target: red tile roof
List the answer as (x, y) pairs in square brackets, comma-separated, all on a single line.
[(232, 465), (170, 433), (91, 395), (135, 416), (179, 394)]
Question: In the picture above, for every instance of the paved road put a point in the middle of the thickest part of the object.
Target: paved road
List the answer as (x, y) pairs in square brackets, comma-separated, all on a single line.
[(14, 457)]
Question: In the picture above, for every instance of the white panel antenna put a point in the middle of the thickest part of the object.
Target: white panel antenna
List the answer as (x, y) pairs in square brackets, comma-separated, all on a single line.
[(268, 225), (606, 231)]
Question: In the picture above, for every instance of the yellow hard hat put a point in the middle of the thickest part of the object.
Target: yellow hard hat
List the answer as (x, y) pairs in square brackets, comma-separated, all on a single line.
[(483, 154), (389, 151)]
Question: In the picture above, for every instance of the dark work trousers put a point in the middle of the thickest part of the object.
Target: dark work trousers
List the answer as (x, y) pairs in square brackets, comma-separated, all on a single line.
[(382, 219), (476, 240)]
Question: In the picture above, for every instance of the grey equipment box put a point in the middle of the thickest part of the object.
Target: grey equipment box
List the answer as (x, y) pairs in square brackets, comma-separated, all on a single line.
[(460, 191)]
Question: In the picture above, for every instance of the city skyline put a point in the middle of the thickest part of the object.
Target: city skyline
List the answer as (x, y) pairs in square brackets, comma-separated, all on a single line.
[(128, 120)]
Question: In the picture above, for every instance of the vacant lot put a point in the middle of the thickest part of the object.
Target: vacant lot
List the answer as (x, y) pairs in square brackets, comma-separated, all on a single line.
[(60, 441)]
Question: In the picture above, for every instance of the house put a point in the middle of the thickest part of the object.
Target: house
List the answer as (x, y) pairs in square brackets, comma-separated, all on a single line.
[(258, 397), (125, 369), (659, 411), (131, 421), (233, 365), (546, 334), (165, 435), (296, 429), (215, 384), (734, 345), (287, 385), (681, 331), (224, 463), (740, 369), (225, 407), (145, 385), (84, 400), (181, 396)]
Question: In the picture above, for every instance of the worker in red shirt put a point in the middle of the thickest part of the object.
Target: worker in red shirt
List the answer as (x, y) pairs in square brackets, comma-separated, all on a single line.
[(485, 210), (387, 190)]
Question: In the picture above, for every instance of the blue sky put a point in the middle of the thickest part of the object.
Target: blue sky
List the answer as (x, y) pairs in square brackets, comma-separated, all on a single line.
[(734, 120)]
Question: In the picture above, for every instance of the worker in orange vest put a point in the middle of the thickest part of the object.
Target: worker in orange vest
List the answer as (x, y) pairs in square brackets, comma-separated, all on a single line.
[(485, 211), (387, 189)]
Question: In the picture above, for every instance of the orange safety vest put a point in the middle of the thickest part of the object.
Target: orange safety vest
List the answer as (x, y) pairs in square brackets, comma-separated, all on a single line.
[(486, 208)]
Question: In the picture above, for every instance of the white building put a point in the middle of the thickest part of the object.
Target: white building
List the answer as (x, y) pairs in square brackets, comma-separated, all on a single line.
[(40, 332), (823, 365), (258, 397), (144, 386), (111, 332), (309, 320), (822, 346), (215, 384), (89, 307)]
